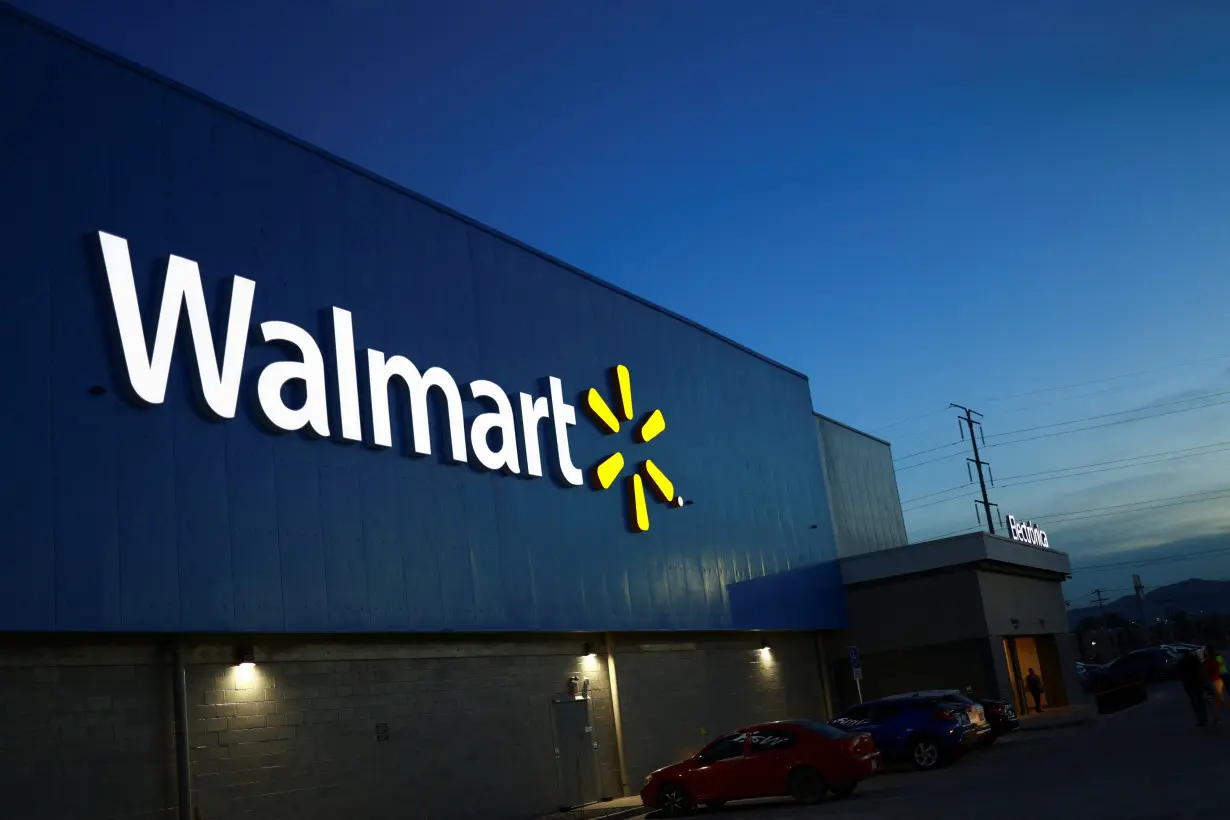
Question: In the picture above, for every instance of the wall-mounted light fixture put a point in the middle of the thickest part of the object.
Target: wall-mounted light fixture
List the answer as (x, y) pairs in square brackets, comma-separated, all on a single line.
[(765, 653), (245, 657), (589, 658)]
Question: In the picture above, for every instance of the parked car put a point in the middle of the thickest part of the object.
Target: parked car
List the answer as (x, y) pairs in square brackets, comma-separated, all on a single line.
[(926, 730), (1001, 715), (1151, 665), (1180, 649), (974, 707), (803, 759)]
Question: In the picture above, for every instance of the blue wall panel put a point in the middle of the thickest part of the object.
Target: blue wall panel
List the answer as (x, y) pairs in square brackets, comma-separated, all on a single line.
[(157, 518)]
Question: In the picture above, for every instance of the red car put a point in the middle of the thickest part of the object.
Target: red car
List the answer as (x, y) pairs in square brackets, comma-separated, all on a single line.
[(803, 759)]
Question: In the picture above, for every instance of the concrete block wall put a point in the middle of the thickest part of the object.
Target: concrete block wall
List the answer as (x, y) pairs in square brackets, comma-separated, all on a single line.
[(469, 730), (88, 724), (679, 693), (85, 733)]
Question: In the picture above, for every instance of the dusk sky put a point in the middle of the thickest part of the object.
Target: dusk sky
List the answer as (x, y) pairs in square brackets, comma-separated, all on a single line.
[(913, 203)]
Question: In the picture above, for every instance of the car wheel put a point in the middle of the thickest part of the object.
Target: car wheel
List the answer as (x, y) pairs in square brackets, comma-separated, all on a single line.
[(844, 789), (925, 753), (674, 800), (806, 785)]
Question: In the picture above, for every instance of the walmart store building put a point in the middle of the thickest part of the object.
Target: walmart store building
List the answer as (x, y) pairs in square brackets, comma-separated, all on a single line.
[(322, 500)]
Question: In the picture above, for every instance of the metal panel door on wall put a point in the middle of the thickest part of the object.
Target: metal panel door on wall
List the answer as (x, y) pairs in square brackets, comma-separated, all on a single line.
[(575, 753)]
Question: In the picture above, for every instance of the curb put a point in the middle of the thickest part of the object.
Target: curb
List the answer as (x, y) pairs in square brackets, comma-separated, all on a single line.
[(593, 812), (1065, 723)]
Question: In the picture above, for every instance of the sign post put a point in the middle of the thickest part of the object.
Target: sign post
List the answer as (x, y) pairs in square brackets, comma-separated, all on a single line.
[(857, 667)]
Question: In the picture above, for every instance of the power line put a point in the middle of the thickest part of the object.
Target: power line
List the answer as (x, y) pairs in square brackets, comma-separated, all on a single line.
[(1052, 475), (937, 492), (1106, 424), (1058, 388), (1119, 509), (1166, 454), (924, 452), (1108, 415), (1105, 379), (970, 494), (1087, 428), (1154, 561)]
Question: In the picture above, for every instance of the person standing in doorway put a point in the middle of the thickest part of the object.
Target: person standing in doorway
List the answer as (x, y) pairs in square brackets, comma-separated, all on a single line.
[(1034, 684), (1191, 675), (1212, 676)]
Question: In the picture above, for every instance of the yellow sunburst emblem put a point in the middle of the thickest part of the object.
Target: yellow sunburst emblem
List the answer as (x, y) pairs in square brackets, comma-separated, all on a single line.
[(610, 467)]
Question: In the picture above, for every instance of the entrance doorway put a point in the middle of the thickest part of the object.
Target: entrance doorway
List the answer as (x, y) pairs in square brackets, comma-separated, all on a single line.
[(1041, 654), (576, 759)]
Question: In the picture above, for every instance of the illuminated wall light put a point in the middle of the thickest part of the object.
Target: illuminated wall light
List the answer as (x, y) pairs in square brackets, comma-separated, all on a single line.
[(245, 657), (589, 658), (245, 667)]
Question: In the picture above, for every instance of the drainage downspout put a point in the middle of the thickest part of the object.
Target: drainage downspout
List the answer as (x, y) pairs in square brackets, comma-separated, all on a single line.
[(183, 773)]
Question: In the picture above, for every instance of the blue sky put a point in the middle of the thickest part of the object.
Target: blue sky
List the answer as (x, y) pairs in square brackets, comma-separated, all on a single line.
[(913, 203)]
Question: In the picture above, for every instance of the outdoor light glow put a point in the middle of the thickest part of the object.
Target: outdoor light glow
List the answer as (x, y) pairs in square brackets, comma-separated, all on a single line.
[(245, 675), (590, 661)]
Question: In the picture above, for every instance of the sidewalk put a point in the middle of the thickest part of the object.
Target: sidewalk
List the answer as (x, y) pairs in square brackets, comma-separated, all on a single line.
[(1078, 714), (617, 809)]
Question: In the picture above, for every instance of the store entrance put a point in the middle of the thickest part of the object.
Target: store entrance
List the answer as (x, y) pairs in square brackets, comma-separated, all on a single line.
[(1041, 654)]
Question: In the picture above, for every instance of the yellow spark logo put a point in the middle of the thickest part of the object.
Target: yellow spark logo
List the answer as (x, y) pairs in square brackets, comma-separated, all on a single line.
[(610, 467)]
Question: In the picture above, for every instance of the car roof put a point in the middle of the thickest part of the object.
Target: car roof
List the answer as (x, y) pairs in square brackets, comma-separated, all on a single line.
[(925, 694), (912, 696), (754, 726)]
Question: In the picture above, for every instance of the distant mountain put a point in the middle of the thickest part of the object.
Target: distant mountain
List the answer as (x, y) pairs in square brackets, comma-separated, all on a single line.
[(1192, 596)]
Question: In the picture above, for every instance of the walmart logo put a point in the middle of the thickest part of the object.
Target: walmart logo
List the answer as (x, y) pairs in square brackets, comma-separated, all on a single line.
[(610, 468)]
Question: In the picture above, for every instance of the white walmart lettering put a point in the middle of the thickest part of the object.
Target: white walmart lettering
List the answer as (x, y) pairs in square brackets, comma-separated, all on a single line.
[(148, 375)]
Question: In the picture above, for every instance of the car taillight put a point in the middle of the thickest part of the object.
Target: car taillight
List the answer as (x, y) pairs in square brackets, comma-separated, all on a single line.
[(859, 743)]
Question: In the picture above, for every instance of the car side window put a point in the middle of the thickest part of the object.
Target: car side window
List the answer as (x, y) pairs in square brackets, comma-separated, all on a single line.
[(882, 712), (770, 740), (728, 747)]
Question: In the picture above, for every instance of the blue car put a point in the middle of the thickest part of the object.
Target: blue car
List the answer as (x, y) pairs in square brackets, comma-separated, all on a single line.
[(926, 730)]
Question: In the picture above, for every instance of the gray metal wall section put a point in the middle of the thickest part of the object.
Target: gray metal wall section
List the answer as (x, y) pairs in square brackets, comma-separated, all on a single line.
[(862, 490)]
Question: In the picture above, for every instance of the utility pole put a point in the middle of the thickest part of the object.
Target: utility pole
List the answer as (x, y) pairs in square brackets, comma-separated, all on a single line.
[(1140, 607), (964, 422), (1101, 616)]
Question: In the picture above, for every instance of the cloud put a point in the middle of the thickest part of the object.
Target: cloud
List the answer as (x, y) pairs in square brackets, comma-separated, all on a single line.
[(1206, 556)]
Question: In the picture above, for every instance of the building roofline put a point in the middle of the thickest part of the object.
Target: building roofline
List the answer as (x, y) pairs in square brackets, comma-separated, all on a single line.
[(852, 429), (943, 554), (149, 74)]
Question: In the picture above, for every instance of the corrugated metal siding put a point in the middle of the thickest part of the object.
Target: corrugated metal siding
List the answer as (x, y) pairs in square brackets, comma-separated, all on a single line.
[(119, 518), (862, 490)]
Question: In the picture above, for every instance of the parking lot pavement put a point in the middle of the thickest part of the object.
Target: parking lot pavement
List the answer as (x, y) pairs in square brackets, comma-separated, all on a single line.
[(1147, 763)]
